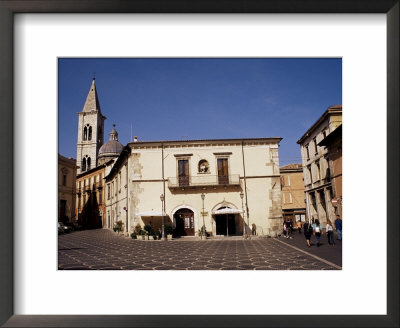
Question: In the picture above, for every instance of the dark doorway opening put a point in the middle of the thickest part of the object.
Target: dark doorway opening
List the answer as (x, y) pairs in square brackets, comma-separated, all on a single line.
[(63, 207), (184, 222), (225, 224)]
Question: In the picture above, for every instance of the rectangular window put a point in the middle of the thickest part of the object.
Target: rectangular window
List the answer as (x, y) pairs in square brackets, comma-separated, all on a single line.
[(183, 172), (309, 175), (308, 152), (108, 191), (315, 145), (64, 180), (100, 198), (119, 175), (287, 197), (317, 171), (288, 180), (223, 172)]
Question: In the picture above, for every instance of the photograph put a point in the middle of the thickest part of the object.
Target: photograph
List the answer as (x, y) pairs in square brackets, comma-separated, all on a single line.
[(196, 153), (199, 163)]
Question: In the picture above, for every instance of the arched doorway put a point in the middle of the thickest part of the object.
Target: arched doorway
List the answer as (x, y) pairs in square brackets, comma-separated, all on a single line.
[(184, 222), (227, 221), (225, 224)]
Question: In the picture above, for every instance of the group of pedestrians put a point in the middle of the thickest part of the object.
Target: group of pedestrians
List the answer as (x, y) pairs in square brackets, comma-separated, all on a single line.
[(314, 228)]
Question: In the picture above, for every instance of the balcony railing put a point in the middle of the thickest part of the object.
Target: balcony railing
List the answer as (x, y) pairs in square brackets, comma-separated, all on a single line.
[(204, 180)]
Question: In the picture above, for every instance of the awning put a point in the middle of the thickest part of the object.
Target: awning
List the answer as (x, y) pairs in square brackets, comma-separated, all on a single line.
[(149, 213), (228, 211)]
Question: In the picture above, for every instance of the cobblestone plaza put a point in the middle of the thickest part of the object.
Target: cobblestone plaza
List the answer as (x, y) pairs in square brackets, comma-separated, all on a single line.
[(105, 250)]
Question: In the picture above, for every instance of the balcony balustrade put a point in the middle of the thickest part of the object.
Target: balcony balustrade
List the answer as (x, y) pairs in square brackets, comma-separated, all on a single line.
[(204, 181)]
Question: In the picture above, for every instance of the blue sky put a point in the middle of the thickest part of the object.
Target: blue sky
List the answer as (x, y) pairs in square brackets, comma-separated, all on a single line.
[(193, 98)]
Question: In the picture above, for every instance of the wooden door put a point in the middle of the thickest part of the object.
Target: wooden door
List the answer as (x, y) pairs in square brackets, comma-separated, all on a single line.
[(183, 172), (223, 175), (184, 219)]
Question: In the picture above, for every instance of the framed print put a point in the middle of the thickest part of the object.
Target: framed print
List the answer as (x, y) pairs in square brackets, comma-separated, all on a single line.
[(26, 299)]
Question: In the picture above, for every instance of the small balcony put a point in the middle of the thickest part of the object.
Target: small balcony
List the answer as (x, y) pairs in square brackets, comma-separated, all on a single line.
[(204, 181)]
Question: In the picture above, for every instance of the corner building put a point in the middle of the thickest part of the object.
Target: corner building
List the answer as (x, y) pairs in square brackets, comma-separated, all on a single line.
[(315, 161), (232, 185)]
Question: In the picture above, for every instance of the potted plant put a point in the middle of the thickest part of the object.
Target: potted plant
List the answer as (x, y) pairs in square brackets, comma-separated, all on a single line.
[(149, 231), (139, 232), (118, 226), (169, 229)]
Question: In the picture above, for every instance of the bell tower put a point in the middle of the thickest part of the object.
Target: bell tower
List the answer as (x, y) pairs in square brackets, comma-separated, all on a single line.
[(90, 132)]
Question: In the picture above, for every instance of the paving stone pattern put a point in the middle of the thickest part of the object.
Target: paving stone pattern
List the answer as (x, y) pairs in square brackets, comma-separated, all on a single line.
[(104, 250)]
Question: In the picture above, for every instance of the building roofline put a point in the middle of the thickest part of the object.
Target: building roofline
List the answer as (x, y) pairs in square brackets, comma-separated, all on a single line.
[(67, 159), (334, 134), (159, 142), (125, 151), (336, 109), (94, 169), (285, 168)]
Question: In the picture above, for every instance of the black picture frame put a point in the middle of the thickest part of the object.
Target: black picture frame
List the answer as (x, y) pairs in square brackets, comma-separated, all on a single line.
[(7, 10)]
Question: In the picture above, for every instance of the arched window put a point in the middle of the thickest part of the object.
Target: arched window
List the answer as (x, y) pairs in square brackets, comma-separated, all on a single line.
[(90, 133), (88, 163), (83, 164), (85, 133)]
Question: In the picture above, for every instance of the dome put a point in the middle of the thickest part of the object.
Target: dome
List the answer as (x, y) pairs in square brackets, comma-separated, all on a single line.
[(112, 147)]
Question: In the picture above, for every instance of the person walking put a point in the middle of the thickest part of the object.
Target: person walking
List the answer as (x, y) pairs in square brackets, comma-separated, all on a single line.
[(285, 233), (290, 228), (317, 231), (308, 232), (329, 233), (299, 226), (338, 227)]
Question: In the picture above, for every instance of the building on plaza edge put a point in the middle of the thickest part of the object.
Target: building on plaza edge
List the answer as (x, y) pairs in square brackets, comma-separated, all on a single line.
[(316, 170), (66, 188), (333, 143), (232, 186), (293, 197)]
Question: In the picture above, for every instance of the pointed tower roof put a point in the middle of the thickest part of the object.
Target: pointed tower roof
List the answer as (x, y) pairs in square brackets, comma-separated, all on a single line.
[(92, 100)]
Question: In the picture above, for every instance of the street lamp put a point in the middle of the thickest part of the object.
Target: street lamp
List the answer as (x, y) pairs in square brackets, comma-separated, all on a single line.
[(244, 225), (204, 227), (162, 211)]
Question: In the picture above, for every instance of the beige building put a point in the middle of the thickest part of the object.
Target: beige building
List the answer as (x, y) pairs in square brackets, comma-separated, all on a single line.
[(232, 185), (90, 206), (293, 196), (333, 143), (66, 188), (317, 174)]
